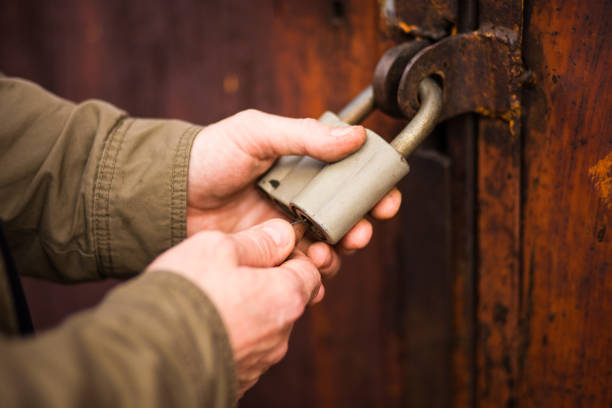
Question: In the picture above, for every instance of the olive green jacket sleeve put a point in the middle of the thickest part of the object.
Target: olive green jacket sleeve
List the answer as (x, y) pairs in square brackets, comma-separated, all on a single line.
[(86, 191), (155, 341)]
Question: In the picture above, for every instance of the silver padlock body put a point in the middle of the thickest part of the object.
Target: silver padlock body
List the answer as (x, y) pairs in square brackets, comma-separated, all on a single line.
[(343, 192), (290, 175), (287, 178)]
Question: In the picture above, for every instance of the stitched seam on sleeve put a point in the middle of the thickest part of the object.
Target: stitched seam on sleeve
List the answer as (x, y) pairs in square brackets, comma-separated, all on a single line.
[(101, 196), (178, 186)]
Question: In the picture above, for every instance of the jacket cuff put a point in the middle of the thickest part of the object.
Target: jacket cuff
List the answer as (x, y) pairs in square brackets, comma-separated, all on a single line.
[(140, 193), (193, 344)]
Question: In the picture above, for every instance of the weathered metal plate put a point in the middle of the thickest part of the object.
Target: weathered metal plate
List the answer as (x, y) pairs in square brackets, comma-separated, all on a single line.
[(477, 71), (388, 73), (432, 19)]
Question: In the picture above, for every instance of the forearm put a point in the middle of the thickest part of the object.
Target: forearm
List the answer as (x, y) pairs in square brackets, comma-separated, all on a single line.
[(88, 192), (156, 341)]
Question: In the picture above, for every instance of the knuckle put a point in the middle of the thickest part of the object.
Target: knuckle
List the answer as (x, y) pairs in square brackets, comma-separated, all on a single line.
[(249, 114), (246, 384), (252, 378), (312, 272), (207, 239), (223, 241), (309, 275), (293, 283), (220, 244), (291, 299), (280, 353), (311, 125), (295, 302)]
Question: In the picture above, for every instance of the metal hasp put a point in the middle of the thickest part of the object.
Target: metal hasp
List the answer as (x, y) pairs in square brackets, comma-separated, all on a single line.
[(388, 73), (481, 72), (422, 18)]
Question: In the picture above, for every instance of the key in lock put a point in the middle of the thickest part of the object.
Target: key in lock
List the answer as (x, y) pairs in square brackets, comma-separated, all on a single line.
[(333, 197)]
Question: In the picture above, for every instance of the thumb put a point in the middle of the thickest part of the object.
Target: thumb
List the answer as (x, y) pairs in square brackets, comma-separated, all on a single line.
[(275, 136), (264, 245)]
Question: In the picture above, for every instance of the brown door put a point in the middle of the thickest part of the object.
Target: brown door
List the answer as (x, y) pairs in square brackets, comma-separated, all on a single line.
[(493, 287)]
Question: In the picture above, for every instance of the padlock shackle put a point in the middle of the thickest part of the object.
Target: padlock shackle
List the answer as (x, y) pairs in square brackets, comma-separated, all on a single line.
[(359, 108), (421, 125)]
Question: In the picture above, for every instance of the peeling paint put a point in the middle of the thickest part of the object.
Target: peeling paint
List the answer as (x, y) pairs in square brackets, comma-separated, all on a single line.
[(506, 116), (422, 19), (601, 176)]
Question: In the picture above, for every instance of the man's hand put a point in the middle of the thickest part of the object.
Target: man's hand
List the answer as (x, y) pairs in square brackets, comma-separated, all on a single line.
[(228, 157), (257, 300)]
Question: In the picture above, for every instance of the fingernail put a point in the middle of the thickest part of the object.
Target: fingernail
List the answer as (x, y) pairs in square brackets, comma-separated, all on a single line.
[(278, 231), (342, 131)]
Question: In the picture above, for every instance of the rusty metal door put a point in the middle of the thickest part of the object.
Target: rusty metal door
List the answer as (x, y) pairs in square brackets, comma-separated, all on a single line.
[(492, 287)]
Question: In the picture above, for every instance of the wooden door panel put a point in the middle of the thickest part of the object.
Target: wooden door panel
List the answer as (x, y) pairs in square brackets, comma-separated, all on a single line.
[(491, 288), (567, 250)]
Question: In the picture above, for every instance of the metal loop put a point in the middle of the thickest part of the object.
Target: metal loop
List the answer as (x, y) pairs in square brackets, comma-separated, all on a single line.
[(424, 121), (359, 108)]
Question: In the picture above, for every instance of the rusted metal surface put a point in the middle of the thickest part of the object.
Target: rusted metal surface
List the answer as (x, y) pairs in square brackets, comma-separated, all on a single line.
[(479, 71), (494, 14), (388, 73), (421, 18)]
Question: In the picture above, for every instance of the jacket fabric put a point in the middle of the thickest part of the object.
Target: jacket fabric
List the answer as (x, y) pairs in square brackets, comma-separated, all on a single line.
[(87, 193)]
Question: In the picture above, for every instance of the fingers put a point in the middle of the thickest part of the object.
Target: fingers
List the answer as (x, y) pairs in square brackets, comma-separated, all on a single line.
[(271, 136), (321, 254), (300, 230), (318, 295), (359, 236), (264, 245), (307, 273), (324, 258), (388, 206)]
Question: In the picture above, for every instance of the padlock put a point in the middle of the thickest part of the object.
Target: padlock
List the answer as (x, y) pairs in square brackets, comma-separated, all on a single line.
[(333, 197)]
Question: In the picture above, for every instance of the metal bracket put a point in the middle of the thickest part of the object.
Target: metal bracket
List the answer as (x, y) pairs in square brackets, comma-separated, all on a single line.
[(388, 73), (480, 72)]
